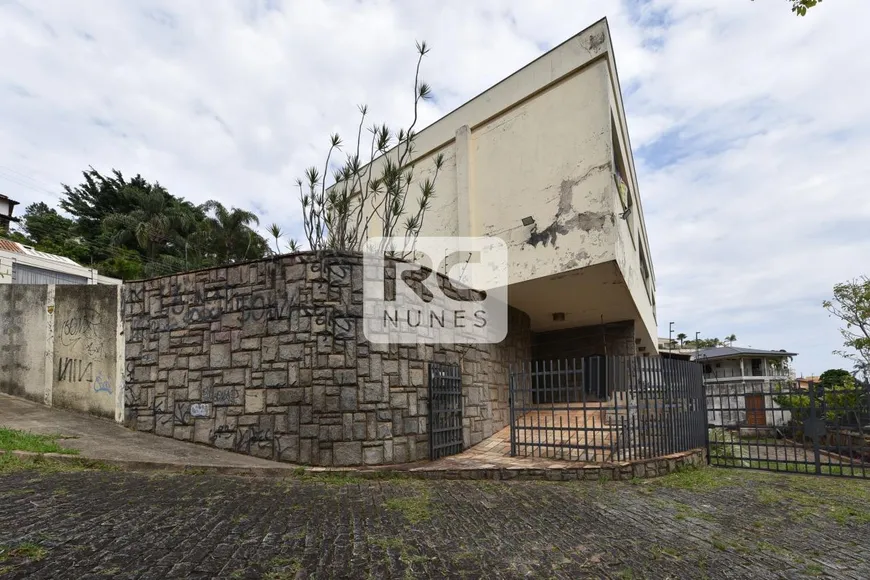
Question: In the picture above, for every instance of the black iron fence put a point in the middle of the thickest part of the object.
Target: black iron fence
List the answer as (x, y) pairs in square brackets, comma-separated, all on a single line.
[(779, 426), (603, 409)]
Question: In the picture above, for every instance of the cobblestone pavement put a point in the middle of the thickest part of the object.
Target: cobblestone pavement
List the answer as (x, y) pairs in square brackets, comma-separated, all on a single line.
[(714, 523)]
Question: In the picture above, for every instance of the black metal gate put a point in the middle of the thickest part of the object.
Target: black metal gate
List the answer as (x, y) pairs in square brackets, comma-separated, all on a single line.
[(605, 409), (445, 410), (782, 427)]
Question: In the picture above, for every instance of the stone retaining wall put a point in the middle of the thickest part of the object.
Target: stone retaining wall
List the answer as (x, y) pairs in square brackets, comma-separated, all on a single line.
[(268, 358)]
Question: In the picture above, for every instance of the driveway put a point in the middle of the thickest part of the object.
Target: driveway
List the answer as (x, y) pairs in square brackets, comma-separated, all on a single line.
[(713, 523)]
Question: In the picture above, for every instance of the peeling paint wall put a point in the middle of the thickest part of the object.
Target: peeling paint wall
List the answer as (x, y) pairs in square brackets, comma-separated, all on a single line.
[(539, 145)]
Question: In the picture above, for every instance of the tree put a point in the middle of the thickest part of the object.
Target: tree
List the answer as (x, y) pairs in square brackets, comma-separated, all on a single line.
[(681, 337), (230, 236), (833, 378), (48, 231), (276, 233), (851, 304), (731, 339), (133, 228), (800, 7), (339, 219), (707, 342)]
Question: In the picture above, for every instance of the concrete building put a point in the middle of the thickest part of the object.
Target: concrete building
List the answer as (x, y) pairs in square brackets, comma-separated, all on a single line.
[(543, 160), (741, 385), (728, 364), (21, 264)]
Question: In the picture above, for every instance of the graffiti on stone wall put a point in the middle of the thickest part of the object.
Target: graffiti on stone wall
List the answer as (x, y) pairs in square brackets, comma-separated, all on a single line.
[(209, 305)]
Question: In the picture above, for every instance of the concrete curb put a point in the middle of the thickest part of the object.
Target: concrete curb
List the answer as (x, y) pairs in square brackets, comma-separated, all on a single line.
[(640, 469)]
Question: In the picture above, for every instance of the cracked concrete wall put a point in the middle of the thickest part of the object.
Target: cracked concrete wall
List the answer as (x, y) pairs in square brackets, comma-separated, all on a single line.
[(61, 345), (23, 319), (539, 145)]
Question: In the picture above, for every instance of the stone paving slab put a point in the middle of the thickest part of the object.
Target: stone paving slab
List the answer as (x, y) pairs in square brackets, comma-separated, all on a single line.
[(714, 523)]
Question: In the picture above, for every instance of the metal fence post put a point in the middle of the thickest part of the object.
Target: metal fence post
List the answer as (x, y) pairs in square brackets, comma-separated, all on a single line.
[(813, 421), (511, 391)]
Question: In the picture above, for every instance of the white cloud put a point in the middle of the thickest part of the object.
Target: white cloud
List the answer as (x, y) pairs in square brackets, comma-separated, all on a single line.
[(750, 125)]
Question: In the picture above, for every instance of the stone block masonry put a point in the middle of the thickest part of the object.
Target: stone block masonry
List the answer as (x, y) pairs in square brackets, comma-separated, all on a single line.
[(268, 358)]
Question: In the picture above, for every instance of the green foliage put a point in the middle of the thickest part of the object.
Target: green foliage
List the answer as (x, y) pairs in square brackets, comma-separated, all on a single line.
[(833, 378), (132, 228), (841, 402), (851, 304), (800, 7)]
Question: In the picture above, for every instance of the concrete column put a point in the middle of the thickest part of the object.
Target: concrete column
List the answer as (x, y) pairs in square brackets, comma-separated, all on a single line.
[(120, 360), (49, 346), (464, 198)]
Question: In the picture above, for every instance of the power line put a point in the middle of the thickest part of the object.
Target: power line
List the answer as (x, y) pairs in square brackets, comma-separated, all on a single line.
[(20, 182)]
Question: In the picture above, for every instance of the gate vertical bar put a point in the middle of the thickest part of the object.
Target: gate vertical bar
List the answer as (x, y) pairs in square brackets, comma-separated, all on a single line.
[(512, 415)]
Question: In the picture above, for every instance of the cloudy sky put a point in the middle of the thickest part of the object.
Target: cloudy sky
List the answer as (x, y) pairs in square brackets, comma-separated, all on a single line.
[(750, 126)]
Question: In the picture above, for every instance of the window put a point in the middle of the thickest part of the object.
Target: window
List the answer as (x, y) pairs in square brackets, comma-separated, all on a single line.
[(619, 171)]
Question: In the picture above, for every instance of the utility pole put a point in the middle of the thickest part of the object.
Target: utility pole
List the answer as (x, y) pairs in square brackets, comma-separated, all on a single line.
[(671, 336), (697, 338)]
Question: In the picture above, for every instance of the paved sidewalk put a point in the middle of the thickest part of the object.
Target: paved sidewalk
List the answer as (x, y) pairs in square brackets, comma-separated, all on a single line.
[(104, 440)]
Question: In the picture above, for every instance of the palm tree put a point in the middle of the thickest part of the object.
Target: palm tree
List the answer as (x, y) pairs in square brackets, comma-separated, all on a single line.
[(730, 339), (154, 222), (681, 337), (231, 236), (276, 233), (293, 246)]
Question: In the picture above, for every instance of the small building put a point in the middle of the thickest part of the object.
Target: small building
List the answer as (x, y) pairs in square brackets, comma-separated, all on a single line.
[(22, 264), (741, 385), (6, 207)]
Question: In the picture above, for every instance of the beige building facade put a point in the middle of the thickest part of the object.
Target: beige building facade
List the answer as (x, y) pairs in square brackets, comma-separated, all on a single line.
[(543, 160)]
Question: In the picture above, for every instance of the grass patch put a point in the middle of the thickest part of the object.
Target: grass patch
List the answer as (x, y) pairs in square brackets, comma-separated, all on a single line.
[(415, 508), (14, 440), (12, 464), (694, 479), (407, 554), (283, 569), (14, 556)]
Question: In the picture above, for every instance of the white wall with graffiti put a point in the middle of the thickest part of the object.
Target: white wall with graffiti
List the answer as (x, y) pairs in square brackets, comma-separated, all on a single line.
[(62, 345)]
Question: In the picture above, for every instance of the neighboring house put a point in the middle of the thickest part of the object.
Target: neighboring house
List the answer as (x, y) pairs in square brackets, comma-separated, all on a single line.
[(805, 382), (741, 384), (543, 161), (20, 264), (6, 208)]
